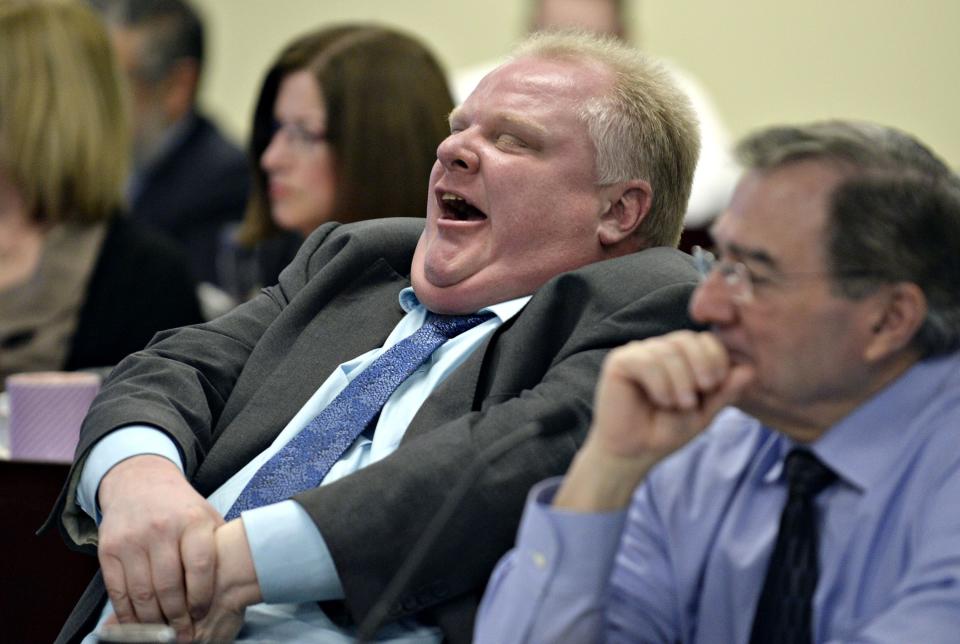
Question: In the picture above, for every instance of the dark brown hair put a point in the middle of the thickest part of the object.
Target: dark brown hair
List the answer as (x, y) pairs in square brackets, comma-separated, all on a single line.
[(387, 103), (893, 217)]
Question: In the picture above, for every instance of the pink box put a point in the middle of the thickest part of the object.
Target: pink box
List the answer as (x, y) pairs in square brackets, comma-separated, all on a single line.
[(46, 410)]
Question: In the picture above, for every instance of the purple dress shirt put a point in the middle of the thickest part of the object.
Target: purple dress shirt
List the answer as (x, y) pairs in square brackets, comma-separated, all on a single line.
[(686, 562)]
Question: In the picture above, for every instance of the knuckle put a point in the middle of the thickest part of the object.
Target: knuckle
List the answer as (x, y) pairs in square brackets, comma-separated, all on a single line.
[(141, 594), (160, 524), (193, 514), (118, 596), (680, 340), (622, 354), (113, 540), (167, 588), (108, 546), (200, 563)]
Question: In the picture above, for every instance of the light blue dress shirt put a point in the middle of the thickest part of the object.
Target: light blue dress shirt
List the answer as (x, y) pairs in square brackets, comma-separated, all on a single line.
[(293, 564), (686, 562)]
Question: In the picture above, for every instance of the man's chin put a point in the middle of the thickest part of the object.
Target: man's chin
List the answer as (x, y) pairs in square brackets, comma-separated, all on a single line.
[(442, 278), (441, 292)]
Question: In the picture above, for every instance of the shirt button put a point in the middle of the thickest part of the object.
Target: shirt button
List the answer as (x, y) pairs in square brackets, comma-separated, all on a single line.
[(539, 560)]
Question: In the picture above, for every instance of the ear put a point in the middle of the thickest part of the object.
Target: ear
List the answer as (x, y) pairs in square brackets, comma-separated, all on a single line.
[(902, 310), (628, 205), (180, 89)]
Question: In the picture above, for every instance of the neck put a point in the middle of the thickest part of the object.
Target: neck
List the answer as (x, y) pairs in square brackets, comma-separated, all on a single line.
[(20, 251), (807, 421)]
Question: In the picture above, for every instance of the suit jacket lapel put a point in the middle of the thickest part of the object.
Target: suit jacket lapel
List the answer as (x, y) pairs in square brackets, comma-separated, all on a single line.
[(456, 396), (342, 329)]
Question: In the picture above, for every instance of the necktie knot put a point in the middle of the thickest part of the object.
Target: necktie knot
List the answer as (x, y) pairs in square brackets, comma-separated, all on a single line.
[(807, 476), (450, 326)]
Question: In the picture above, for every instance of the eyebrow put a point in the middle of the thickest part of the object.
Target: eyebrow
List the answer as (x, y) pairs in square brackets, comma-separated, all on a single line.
[(512, 119), (454, 113), (749, 254), (524, 123)]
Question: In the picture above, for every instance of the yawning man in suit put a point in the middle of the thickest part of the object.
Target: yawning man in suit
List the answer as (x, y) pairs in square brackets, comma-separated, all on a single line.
[(552, 213)]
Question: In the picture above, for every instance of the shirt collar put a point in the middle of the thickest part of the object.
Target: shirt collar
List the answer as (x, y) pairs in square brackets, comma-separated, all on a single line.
[(503, 310), (863, 448)]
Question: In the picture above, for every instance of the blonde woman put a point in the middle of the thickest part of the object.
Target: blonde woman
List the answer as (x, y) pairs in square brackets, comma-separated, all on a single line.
[(79, 285)]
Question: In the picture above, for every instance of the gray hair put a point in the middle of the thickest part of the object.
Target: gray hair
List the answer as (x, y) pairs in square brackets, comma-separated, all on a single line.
[(174, 31), (644, 128), (894, 217)]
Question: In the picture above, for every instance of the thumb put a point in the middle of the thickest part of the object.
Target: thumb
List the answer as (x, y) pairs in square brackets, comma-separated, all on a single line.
[(736, 381), (740, 376)]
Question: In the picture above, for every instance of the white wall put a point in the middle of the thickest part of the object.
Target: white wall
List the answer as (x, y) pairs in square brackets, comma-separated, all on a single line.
[(763, 61)]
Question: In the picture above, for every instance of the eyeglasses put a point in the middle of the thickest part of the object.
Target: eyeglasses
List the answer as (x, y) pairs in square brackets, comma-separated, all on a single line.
[(735, 275), (298, 137), (741, 283)]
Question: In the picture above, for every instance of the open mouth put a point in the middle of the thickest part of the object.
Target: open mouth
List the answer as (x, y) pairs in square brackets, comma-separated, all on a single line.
[(459, 209)]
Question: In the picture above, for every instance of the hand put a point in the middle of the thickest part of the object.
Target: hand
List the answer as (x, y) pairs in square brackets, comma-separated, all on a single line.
[(653, 397), (236, 586), (157, 549)]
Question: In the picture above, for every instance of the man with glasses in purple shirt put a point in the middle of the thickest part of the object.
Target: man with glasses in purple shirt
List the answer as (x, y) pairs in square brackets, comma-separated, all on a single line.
[(790, 474)]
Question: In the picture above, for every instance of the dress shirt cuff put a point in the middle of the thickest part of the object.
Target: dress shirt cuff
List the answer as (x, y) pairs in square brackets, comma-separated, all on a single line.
[(576, 549), (291, 558), (553, 584), (119, 445)]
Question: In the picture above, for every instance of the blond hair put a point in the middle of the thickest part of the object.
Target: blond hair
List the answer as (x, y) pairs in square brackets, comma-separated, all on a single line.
[(64, 138), (643, 128)]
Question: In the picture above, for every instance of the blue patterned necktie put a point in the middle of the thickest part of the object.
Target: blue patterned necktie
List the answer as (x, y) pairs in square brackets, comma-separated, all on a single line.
[(785, 609), (304, 461)]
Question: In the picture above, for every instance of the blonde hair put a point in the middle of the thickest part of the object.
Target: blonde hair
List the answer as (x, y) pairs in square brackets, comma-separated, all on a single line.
[(64, 138), (643, 128)]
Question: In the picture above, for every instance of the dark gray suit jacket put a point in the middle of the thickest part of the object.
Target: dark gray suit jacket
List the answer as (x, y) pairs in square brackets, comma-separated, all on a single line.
[(223, 391)]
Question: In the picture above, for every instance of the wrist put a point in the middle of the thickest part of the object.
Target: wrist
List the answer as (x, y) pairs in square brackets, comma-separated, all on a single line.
[(135, 468), (601, 482), (236, 575)]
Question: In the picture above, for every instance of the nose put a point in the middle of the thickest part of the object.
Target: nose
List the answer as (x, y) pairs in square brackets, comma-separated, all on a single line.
[(456, 153), (711, 302), (274, 154)]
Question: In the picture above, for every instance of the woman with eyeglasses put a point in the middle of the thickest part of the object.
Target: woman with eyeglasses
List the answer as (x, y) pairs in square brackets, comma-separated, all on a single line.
[(345, 128)]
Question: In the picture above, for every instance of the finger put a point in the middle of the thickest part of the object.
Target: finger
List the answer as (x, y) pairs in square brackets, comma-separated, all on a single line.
[(679, 374), (738, 379), (167, 572), (199, 555), (640, 365), (705, 365), (741, 376), (115, 581), (713, 361), (662, 369), (139, 583)]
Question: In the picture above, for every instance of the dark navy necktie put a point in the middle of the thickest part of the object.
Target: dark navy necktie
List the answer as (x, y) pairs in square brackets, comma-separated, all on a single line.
[(304, 461), (785, 609)]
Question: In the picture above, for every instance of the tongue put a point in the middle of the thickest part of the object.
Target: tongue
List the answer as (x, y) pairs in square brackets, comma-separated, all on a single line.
[(469, 213), (462, 211)]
